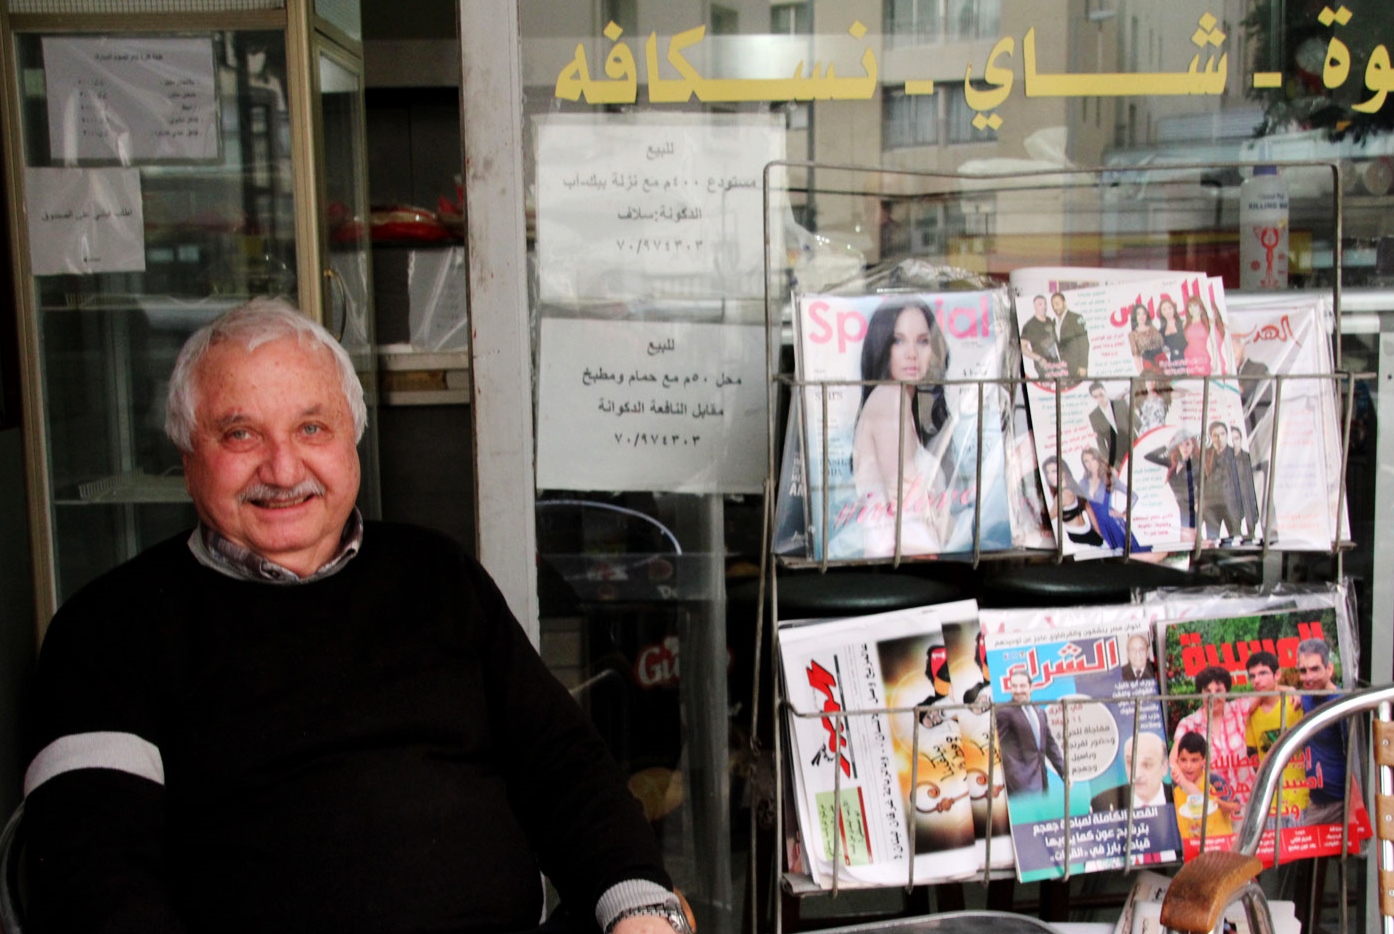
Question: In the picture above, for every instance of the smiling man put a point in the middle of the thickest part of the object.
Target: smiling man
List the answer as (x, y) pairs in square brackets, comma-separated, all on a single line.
[(294, 720)]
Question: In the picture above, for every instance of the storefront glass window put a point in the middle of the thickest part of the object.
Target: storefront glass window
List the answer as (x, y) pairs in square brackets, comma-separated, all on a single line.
[(647, 120)]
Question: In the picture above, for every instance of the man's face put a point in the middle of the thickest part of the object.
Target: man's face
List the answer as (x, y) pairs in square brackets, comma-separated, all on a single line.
[(1137, 653), (273, 466), (1218, 436), (1057, 302), (1100, 397), (1314, 674), (1020, 686), (1262, 678), (1146, 775), (1191, 765), (1038, 306)]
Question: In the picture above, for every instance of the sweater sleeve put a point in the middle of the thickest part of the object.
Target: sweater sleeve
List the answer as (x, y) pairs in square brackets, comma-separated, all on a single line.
[(568, 792), (94, 789)]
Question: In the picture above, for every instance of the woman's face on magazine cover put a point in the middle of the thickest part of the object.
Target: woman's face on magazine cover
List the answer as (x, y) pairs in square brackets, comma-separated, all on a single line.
[(1217, 688), (1141, 319), (910, 347), (1090, 462), (1166, 310)]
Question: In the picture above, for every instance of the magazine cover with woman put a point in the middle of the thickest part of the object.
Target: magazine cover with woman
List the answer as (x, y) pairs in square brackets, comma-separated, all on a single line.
[(1258, 675), (1130, 425), (902, 448)]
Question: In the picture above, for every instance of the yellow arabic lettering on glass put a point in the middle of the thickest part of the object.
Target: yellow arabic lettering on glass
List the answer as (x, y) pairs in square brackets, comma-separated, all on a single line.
[(575, 82), (622, 86), (621, 78), (999, 79), (1194, 80), (1379, 77)]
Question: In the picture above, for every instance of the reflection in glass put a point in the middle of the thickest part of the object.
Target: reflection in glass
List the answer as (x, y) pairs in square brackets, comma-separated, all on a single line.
[(216, 232)]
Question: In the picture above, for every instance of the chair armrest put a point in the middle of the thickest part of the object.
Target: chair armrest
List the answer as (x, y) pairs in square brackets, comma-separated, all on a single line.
[(1204, 887)]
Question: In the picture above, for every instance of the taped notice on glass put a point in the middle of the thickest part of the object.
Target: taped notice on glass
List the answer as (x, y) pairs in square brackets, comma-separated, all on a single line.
[(131, 99), (662, 406), (653, 205), (84, 221)]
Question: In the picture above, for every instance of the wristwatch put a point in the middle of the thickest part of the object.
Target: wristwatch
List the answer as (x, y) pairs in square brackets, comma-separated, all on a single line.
[(672, 914)]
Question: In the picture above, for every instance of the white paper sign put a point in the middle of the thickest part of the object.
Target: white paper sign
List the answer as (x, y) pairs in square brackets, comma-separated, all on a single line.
[(637, 405), (652, 205), (84, 221), (131, 99)]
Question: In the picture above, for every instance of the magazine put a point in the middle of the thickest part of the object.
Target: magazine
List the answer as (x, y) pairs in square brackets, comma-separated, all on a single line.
[(971, 686), (883, 792), (789, 535), (1095, 793), (1290, 661), (1301, 438), (1131, 420), (903, 461)]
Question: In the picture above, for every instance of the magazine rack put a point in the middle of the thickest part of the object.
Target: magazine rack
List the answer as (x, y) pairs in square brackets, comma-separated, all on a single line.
[(825, 223)]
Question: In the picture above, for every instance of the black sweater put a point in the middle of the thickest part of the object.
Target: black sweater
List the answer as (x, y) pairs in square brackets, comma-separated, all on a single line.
[(381, 750)]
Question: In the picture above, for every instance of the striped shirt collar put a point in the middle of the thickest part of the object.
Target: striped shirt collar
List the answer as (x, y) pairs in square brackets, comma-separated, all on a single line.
[(215, 551)]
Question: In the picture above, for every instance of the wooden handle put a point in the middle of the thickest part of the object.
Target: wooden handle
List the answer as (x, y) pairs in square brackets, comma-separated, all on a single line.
[(1203, 888), (1384, 741), (1384, 817)]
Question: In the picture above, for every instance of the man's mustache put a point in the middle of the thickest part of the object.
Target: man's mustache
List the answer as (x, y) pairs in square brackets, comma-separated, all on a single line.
[(266, 493)]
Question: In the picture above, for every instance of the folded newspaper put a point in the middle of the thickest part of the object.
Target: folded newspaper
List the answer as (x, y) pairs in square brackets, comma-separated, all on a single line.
[(890, 767)]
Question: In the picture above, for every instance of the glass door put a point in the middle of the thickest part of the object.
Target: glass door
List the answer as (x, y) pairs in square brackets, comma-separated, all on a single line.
[(346, 289), (157, 178)]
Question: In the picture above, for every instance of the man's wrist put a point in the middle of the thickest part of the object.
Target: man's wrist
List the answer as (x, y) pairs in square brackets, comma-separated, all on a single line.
[(630, 894), (670, 912)]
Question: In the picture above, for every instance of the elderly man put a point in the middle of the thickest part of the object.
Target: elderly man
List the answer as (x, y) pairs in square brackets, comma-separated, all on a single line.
[(295, 720), (1147, 785)]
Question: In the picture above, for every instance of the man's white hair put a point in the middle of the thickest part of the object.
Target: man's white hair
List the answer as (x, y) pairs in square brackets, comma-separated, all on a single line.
[(258, 322)]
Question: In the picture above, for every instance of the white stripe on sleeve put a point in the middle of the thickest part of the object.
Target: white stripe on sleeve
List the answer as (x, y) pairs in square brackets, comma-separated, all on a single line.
[(124, 752)]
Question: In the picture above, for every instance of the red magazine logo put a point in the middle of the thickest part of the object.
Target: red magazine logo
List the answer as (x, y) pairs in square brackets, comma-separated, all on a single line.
[(823, 681)]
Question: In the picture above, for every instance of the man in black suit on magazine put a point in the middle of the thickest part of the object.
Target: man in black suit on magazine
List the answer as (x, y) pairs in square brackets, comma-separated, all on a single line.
[(1072, 339), (1140, 666), (1026, 742), (1112, 421)]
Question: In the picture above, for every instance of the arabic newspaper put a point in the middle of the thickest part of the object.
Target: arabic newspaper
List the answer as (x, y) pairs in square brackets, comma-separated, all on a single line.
[(883, 792), (1094, 792), (1231, 657), (1130, 415), (1300, 437), (884, 449)]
